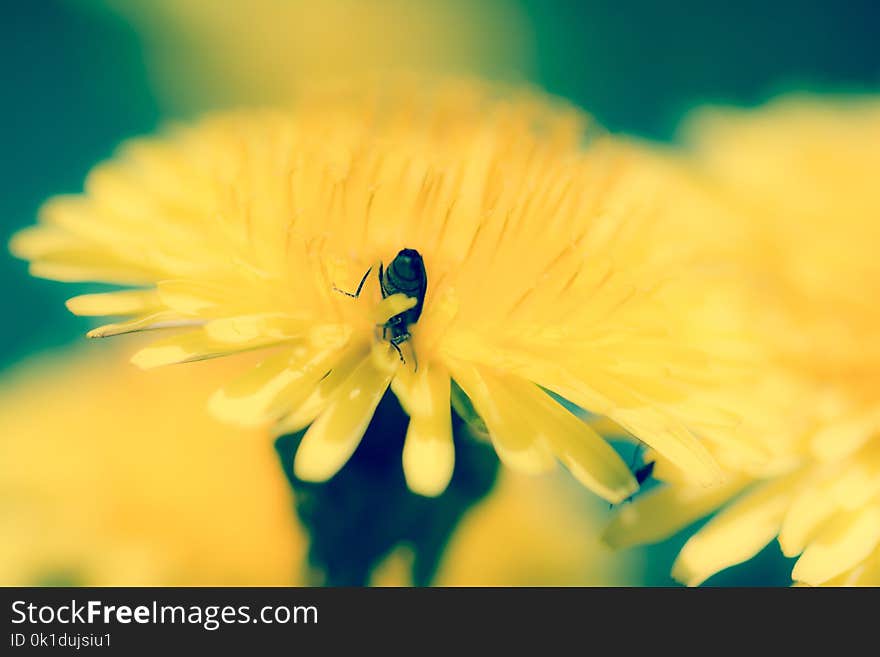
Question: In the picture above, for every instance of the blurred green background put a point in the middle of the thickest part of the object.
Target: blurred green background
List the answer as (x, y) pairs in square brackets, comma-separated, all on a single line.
[(82, 76)]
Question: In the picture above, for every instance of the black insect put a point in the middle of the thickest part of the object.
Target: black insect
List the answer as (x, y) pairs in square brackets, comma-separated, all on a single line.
[(644, 472), (405, 275)]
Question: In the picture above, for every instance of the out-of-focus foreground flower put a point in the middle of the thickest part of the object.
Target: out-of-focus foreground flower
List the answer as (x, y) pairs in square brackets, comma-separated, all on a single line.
[(126, 481), (803, 171), (112, 476), (549, 265), (528, 532)]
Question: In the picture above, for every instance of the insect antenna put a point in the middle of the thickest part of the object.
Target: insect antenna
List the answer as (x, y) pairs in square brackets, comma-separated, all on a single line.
[(399, 352), (360, 286)]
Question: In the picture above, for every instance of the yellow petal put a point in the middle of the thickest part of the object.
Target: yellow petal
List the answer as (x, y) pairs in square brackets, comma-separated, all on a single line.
[(428, 453), (808, 511), (658, 514), (306, 412), (329, 336), (605, 426), (672, 440), (666, 472), (736, 534), (37, 242), (392, 305), (154, 322), (859, 483), (57, 255), (866, 573), (86, 220), (246, 328), (191, 297), (573, 389), (836, 440), (517, 442), (659, 389), (612, 388), (590, 459), (188, 347), (847, 540), (84, 268), (123, 302), (333, 437), (279, 383)]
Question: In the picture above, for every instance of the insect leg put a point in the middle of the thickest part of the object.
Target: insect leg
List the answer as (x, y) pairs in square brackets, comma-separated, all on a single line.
[(405, 338), (399, 352), (382, 280), (396, 340), (360, 286)]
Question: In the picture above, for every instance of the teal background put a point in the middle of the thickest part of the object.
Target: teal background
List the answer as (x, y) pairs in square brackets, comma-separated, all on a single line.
[(75, 86)]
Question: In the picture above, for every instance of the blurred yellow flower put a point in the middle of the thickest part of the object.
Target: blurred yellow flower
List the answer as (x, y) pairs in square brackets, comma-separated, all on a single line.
[(802, 171), (548, 266), (535, 532), (110, 476), (208, 53), (125, 481), (528, 532)]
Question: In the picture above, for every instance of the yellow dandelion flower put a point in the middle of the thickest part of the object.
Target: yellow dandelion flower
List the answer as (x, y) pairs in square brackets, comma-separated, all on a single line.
[(548, 268), (801, 171)]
